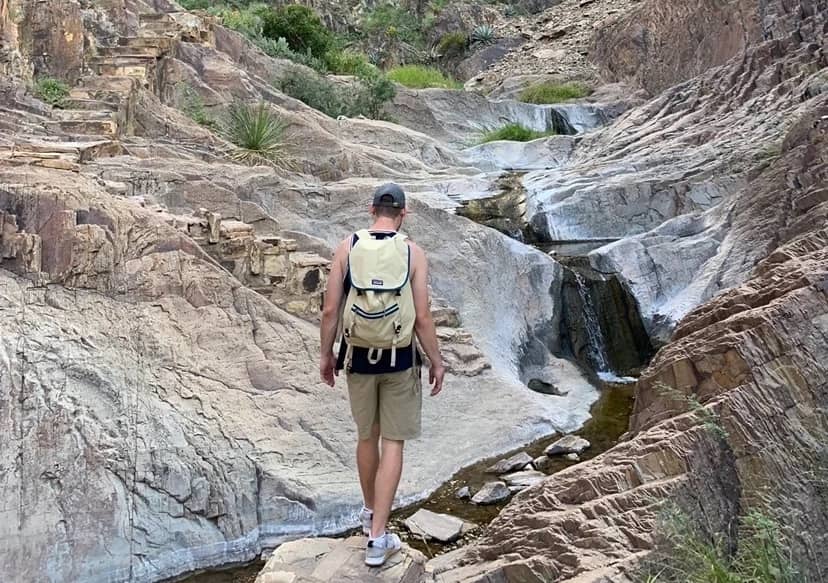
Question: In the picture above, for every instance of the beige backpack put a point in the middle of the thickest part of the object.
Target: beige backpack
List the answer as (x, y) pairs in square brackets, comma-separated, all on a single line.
[(379, 310)]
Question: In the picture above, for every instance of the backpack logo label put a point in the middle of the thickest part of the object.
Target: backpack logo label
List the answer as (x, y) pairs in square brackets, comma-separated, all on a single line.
[(376, 282)]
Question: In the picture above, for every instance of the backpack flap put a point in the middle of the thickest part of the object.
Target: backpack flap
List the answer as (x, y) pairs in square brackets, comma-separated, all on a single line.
[(380, 265)]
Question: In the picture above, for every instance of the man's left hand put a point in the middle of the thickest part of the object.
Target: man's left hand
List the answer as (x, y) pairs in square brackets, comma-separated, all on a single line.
[(327, 368)]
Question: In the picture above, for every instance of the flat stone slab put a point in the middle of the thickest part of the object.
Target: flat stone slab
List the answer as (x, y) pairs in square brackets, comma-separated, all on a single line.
[(524, 479), (568, 444), (492, 493), (326, 560), (511, 464), (442, 527)]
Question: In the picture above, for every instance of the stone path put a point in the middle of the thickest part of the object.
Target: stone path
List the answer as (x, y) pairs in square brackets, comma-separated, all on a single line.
[(327, 560)]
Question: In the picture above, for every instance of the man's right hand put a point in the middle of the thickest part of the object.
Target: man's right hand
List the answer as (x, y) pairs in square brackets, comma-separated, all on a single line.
[(435, 378)]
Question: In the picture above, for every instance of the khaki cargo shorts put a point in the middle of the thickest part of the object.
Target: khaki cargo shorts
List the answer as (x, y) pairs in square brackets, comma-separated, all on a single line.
[(393, 400)]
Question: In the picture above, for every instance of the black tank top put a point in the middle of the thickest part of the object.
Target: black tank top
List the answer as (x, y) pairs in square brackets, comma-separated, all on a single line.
[(359, 356)]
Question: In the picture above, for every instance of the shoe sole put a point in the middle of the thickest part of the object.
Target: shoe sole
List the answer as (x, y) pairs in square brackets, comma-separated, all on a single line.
[(380, 561)]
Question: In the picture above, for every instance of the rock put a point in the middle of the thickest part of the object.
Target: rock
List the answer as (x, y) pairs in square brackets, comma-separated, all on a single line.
[(516, 462), (573, 457), (567, 444), (442, 527), (545, 388), (463, 493), (542, 463), (524, 479), (315, 560), (491, 493)]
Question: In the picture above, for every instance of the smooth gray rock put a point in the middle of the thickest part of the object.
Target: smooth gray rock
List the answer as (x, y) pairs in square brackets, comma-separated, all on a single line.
[(463, 493), (442, 527), (492, 493), (545, 388), (524, 479), (573, 457), (567, 444), (542, 463), (510, 464)]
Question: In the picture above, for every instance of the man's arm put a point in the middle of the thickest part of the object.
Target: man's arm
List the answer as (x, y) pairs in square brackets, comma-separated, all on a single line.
[(424, 324), (330, 313)]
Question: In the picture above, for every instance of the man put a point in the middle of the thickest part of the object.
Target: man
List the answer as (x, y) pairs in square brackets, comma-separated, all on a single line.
[(383, 279)]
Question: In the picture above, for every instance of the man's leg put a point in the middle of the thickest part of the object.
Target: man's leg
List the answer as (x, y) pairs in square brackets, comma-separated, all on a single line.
[(385, 487), (368, 459)]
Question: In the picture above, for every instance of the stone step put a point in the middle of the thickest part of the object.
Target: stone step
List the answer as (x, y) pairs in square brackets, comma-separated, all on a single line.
[(107, 128), (82, 114), (112, 84), (159, 26), (137, 42), (155, 17), (130, 51), (91, 104), (136, 68)]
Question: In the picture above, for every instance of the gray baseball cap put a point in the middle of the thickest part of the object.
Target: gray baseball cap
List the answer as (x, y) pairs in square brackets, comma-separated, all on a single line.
[(389, 194)]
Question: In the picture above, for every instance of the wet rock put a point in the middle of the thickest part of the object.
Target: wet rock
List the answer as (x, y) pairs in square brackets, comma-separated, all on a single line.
[(573, 457), (492, 493), (442, 527), (463, 493), (516, 462), (326, 560), (524, 479), (546, 388), (567, 444), (542, 463)]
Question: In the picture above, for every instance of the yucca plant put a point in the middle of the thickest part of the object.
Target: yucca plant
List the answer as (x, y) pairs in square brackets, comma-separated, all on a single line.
[(258, 132), (483, 34)]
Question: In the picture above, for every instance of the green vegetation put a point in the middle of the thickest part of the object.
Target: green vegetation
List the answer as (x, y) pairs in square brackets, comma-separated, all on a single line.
[(513, 132), (483, 34), (346, 62), (687, 555), (548, 92), (365, 98), (395, 22), (192, 105), (258, 132), (452, 44), (300, 26), (421, 77), (51, 91)]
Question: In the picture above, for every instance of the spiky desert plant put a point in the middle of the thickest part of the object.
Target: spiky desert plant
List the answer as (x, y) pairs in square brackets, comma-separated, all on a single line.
[(483, 34), (258, 132)]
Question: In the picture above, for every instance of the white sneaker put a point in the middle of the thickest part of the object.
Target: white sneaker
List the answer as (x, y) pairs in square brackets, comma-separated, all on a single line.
[(381, 548), (366, 517)]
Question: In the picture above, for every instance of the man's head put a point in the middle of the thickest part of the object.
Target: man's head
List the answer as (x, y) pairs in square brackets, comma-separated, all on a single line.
[(389, 203)]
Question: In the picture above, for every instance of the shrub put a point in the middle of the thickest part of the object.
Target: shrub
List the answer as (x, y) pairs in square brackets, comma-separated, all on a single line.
[(334, 99), (483, 34), (389, 20), (452, 44), (548, 92), (348, 63), (375, 91), (421, 77), (196, 4), (51, 91), (300, 26), (315, 91), (513, 132), (257, 131)]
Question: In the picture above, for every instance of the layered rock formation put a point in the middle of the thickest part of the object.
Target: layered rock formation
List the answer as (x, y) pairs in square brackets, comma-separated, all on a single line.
[(162, 415), (730, 416)]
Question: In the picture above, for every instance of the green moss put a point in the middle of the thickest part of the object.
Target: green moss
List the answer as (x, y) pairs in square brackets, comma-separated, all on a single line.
[(422, 77), (513, 132), (543, 93)]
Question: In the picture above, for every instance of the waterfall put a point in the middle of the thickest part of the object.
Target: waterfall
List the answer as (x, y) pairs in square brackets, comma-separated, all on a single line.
[(596, 348)]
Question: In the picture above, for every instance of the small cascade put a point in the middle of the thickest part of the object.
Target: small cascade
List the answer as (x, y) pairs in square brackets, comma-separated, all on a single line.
[(596, 346), (601, 326)]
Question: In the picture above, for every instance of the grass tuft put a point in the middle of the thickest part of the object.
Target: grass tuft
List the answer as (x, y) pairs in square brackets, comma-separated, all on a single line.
[(422, 77), (258, 132), (548, 92), (51, 91), (513, 132)]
